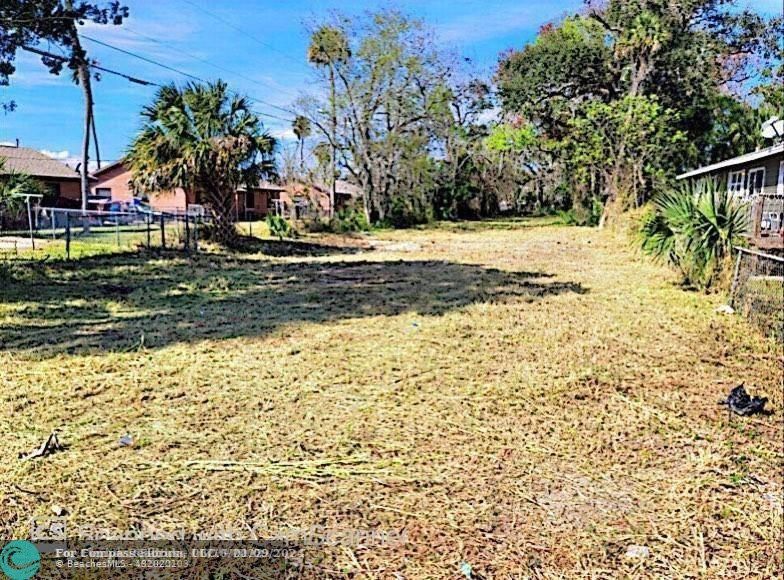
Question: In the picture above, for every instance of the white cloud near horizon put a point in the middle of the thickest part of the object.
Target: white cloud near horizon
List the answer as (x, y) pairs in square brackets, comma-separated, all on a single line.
[(59, 155), (285, 134), (470, 28)]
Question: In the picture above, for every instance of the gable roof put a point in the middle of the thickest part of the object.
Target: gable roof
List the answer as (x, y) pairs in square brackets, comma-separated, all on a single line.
[(35, 163), (108, 167), (739, 160), (342, 187)]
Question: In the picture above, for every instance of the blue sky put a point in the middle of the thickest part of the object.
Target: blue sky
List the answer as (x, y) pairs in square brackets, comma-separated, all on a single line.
[(267, 63)]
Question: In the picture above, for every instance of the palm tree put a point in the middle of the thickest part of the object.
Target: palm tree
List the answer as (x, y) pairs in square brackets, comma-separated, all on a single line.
[(329, 48), (205, 140), (694, 229), (14, 187), (302, 129)]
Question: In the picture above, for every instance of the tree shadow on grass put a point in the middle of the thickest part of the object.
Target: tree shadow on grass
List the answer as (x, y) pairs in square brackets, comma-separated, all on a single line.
[(283, 248), (117, 304)]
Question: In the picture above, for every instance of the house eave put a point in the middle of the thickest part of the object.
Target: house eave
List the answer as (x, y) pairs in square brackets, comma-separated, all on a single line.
[(735, 161)]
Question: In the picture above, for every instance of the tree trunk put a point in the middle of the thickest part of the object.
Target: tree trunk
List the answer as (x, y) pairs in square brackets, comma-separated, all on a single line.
[(223, 213), (83, 73), (333, 153), (79, 59)]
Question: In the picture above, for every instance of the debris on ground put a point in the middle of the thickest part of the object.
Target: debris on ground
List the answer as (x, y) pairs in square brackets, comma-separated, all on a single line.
[(634, 552), (740, 403), (51, 445), (725, 309), (59, 510), (466, 570), (126, 440)]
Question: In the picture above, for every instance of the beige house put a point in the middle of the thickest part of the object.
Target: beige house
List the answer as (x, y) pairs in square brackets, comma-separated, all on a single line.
[(756, 178), (760, 173)]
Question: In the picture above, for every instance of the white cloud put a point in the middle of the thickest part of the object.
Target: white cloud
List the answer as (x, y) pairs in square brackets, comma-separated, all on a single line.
[(59, 155), (286, 134), (66, 157), (466, 29)]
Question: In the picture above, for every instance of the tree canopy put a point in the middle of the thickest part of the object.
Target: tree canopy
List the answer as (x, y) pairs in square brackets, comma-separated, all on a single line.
[(629, 92)]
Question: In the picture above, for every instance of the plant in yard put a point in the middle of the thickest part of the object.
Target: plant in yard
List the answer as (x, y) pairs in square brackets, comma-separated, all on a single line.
[(280, 227), (13, 186), (349, 219), (205, 140), (694, 229)]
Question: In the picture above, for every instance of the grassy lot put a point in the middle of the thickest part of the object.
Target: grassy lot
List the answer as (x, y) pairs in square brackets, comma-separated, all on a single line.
[(526, 398)]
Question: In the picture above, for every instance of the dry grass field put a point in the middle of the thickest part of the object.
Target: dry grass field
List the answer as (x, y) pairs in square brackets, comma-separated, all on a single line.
[(525, 399)]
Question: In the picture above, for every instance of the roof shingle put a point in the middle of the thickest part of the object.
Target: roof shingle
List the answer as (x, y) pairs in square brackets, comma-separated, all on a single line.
[(35, 163)]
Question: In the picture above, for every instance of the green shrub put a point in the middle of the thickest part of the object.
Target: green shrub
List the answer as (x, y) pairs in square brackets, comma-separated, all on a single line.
[(349, 220), (346, 220), (694, 229), (567, 217), (582, 215), (280, 227)]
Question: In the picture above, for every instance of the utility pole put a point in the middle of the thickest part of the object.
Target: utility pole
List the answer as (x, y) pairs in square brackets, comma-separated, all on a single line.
[(79, 61)]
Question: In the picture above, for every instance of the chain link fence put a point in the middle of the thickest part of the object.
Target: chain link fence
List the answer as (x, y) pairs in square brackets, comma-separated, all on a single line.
[(758, 290), (70, 234)]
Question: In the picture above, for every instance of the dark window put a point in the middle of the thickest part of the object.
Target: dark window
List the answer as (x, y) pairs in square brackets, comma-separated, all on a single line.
[(105, 192), (51, 194)]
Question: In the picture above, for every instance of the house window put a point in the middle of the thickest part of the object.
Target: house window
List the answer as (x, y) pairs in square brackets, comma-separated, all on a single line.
[(51, 194), (103, 192), (735, 183), (756, 182)]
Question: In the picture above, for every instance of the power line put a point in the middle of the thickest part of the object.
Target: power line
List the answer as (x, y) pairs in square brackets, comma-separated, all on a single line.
[(194, 77), (144, 58), (243, 32), (92, 65), (205, 61)]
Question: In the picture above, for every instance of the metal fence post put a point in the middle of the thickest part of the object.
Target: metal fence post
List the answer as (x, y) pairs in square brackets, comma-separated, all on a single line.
[(735, 275), (67, 236), (147, 219), (195, 234), (30, 222), (163, 232), (187, 233)]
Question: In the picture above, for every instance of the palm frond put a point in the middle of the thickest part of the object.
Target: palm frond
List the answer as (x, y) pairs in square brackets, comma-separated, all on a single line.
[(694, 229)]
